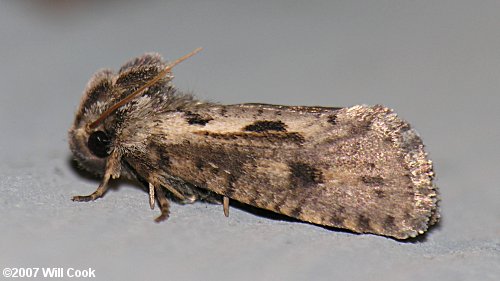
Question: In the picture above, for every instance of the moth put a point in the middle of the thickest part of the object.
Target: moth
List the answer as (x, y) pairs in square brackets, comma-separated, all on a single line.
[(360, 168)]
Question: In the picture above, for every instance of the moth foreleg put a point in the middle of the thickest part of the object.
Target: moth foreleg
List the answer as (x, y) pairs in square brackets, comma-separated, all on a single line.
[(163, 202), (112, 170)]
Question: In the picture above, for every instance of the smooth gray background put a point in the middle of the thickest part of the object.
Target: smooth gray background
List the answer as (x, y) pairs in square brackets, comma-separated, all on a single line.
[(436, 62)]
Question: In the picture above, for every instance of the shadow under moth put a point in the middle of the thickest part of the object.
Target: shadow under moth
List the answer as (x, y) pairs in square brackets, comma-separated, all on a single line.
[(360, 168)]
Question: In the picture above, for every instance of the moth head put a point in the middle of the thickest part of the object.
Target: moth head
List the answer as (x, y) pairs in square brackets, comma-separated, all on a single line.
[(91, 146), (92, 134), (104, 99)]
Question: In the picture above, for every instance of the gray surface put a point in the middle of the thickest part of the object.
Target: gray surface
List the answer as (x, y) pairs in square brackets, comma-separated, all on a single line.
[(436, 62)]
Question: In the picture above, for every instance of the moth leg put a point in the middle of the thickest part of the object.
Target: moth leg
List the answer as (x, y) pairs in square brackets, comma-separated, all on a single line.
[(170, 187), (164, 205), (112, 171), (225, 202), (151, 196)]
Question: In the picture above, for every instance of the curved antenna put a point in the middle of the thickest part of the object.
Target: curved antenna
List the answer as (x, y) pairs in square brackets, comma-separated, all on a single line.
[(139, 91)]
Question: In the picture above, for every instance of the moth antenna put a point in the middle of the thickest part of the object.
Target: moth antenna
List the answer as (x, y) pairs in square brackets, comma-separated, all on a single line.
[(137, 92)]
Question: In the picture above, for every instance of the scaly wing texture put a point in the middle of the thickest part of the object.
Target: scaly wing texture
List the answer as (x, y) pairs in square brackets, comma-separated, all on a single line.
[(360, 168)]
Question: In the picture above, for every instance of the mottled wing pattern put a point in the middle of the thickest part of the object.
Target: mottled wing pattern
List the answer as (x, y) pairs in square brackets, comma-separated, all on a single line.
[(360, 168)]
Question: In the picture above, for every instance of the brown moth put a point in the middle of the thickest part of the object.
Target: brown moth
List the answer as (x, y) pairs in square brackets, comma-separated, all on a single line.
[(360, 168)]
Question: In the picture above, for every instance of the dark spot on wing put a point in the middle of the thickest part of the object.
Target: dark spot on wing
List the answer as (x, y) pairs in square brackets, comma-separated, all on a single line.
[(370, 166), (295, 213), (304, 175), (380, 193), (332, 119), (162, 156), (199, 163), (196, 119), (364, 223), (265, 126), (292, 137), (164, 161), (372, 181), (389, 222), (338, 217), (360, 129), (223, 111)]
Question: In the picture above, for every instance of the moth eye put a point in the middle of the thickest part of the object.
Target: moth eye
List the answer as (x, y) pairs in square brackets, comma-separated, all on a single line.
[(98, 144)]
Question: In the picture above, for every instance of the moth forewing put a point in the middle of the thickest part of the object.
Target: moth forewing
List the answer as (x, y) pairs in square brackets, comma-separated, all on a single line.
[(361, 168), (349, 168)]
